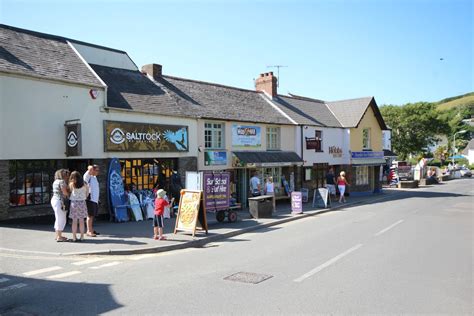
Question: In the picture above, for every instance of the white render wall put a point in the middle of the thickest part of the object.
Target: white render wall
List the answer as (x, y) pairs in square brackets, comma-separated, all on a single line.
[(338, 137), (287, 143), (33, 113)]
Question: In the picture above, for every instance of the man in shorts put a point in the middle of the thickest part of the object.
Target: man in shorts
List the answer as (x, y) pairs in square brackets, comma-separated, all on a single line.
[(90, 177)]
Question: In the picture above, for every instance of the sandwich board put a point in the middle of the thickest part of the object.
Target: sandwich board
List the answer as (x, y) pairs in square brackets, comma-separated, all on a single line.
[(321, 198), (191, 212)]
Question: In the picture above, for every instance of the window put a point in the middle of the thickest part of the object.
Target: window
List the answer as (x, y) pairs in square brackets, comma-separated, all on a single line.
[(31, 181), (146, 174), (366, 138), (273, 138), (214, 135), (362, 175), (319, 140)]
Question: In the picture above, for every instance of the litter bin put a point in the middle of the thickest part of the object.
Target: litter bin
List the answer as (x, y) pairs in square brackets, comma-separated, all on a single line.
[(261, 206)]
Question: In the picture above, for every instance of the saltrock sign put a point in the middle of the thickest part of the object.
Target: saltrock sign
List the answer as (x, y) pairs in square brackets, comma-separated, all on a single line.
[(130, 137)]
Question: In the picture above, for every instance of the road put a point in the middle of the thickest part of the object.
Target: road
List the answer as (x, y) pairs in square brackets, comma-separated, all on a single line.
[(412, 254)]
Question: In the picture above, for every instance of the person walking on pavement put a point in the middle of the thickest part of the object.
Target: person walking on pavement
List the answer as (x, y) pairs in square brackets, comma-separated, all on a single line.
[(79, 191), (255, 188), (270, 190), (60, 193), (341, 185), (330, 182), (158, 222), (90, 177)]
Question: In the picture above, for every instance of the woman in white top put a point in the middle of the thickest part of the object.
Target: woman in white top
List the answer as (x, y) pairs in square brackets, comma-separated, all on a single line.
[(60, 193), (270, 190), (79, 191)]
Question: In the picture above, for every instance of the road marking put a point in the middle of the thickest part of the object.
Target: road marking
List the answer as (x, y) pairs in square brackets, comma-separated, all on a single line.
[(4, 280), (88, 261), (42, 271), (13, 287), (388, 228), (327, 263), (63, 275), (110, 264), (144, 256)]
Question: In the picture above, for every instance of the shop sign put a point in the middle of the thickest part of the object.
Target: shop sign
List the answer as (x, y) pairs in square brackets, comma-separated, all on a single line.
[(335, 151), (73, 139), (311, 143), (131, 137), (215, 158), (296, 202), (216, 190), (248, 137), (367, 155)]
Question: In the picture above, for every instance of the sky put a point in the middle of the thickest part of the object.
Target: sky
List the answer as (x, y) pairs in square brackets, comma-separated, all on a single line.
[(398, 51)]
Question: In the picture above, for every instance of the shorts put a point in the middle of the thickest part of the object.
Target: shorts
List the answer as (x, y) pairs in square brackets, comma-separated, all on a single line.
[(158, 221), (331, 188), (92, 208)]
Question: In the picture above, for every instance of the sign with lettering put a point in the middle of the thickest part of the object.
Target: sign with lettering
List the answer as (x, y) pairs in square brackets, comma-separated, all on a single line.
[(135, 137), (73, 139), (367, 155), (321, 198), (296, 202), (215, 158), (216, 190), (335, 151), (245, 136), (191, 212), (311, 143)]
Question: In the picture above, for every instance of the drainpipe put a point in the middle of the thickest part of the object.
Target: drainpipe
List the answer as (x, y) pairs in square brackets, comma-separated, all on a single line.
[(302, 173)]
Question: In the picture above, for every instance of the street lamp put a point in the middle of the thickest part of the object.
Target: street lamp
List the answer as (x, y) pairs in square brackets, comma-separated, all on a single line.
[(454, 143)]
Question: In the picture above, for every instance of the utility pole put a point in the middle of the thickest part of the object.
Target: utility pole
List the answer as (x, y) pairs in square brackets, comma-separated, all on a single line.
[(278, 72)]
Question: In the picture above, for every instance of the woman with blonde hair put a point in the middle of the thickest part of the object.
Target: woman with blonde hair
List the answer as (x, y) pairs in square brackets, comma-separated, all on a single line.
[(341, 185), (270, 190), (79, 191), (60, 193)]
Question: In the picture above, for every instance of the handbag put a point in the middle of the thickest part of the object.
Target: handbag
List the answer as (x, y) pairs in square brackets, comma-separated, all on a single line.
[(65, 204)]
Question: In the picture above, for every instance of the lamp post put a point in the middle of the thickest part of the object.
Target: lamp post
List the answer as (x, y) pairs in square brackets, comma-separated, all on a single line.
[(454, 143)]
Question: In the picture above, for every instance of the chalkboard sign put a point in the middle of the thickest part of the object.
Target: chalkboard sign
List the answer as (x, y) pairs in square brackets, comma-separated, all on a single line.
[(321, 198), (191, 212)]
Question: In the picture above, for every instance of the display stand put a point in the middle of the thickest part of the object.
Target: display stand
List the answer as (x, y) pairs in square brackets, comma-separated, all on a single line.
[(191, 212)]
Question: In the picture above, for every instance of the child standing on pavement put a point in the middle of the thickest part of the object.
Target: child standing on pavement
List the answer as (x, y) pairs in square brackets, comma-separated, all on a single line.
[(158, 222)]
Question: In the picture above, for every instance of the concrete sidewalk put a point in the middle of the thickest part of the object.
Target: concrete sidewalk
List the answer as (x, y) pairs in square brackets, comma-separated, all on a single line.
[(136, 237)]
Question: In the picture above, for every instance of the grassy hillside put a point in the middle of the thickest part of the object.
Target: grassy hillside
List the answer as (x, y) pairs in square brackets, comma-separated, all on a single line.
[(466, 99)]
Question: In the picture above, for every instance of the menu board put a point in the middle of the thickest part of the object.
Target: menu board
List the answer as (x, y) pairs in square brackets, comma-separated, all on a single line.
[(321, 198), (191, 212)]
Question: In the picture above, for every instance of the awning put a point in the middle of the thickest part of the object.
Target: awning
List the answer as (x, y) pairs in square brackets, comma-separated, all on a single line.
[(389, 153), (252, 159)]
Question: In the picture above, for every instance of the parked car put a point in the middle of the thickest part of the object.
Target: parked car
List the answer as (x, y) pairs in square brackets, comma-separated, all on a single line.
[(465, 172)]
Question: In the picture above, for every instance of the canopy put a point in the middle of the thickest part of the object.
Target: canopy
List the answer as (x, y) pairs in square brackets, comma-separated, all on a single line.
[(457, 157)]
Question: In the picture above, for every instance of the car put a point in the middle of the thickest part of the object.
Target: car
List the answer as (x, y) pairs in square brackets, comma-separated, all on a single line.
[(465, 172)]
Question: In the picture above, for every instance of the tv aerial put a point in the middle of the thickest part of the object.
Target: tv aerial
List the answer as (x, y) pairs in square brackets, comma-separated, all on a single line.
[(278, 72)]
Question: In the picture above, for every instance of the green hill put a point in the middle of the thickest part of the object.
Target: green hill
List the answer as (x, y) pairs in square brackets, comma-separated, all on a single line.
[(466, 99)]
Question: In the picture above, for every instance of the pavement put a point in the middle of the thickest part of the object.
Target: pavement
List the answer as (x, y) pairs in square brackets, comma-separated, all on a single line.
[(26, 237)]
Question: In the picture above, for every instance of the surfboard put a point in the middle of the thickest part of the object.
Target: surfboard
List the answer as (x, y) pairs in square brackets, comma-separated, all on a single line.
[(117, 198), (135, 206)]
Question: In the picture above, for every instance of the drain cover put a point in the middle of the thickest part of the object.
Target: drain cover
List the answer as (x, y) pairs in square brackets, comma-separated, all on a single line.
[(248, 277)]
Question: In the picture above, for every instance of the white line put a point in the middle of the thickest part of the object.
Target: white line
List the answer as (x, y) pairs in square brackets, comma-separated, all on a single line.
[(4, 280), (388, 228), (110, 264), (63, 275), (88, 261), (327, 263), (147, 255), (13, 287), (42, 271)]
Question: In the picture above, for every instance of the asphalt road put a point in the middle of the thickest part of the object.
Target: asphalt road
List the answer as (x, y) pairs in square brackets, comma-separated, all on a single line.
[(409, 255)]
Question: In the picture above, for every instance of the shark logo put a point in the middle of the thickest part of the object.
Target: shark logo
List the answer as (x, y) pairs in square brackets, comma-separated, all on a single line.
[(117, 136)]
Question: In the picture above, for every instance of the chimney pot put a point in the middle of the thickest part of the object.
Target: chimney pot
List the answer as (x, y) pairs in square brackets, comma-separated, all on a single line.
[(267, 83)]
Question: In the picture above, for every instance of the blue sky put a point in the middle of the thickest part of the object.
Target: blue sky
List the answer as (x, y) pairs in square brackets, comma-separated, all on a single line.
[(333, 49)]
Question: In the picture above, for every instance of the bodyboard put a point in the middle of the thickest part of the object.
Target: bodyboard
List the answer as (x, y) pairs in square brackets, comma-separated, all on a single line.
[(135, 206), (117, 198)]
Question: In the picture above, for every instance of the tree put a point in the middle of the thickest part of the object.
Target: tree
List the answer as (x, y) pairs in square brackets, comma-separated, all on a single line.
[(414, 127)]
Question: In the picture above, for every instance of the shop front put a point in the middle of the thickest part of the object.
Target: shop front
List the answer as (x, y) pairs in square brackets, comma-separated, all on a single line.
[(366, 172)]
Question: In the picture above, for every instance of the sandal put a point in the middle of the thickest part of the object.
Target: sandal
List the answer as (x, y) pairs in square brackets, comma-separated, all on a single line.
[(91, 234), (97, 233), (162, 238)]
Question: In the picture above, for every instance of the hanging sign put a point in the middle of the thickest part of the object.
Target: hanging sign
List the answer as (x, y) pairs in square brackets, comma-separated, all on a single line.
[(134, 137), (191, 212), (73, 138)]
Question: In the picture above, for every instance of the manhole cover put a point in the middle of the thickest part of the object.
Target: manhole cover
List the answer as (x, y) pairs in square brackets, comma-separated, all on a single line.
[(248, 277)]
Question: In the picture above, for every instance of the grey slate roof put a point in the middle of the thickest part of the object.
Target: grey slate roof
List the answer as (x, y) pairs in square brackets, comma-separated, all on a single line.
[(41, 55), (226, 103), (307, 111)]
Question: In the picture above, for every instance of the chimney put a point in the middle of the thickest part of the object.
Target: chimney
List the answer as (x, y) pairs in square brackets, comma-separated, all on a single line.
[(153, 70), (267, 83)]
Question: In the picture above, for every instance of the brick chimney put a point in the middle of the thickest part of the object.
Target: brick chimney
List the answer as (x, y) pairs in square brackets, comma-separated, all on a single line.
[(153, 70), (267, 82)]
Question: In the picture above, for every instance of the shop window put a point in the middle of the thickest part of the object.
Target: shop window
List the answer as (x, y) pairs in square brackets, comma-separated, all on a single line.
[(366, 138), (273, 138), (362, 175), (146, 174), (31, 181), (214, 135), (319, 173), (319, 140)]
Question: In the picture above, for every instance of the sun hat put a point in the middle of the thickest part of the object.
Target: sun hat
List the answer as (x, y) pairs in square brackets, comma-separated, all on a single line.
[(161, 193)]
